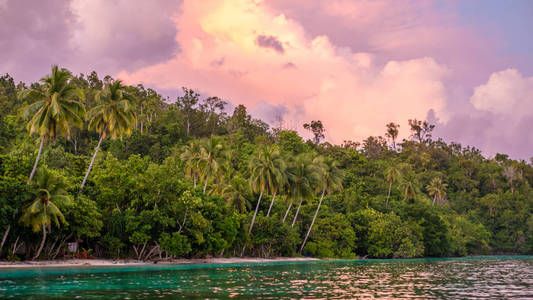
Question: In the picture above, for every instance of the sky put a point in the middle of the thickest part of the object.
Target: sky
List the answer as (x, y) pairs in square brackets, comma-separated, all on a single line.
[(466, 66)]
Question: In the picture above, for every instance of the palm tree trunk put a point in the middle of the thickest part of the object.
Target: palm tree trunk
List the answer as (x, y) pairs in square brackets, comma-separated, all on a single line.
[(255, 213), (6, 233), (92, 162), (434, 198), (287, 212), (205, 184), (188, 124), (388, 194), (313, 222), (297, 211), (141, 119), (37, 158), (194, 179), (42, 244), (271, 203)]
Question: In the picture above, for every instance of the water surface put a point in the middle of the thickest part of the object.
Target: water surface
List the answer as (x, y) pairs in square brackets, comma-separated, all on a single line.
[(457, 278)]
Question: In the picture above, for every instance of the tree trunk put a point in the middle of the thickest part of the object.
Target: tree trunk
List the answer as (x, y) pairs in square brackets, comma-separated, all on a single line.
[(297, 211), (75, 143), (313, 222), (141, 119), (6, 233), (92, 161), (184, 220), (388, 194), (42, 244), (271, 203), (37, 159), (287, 212), (434, 198), (194, 176), (255, 213), (188, 124), (205, 184)]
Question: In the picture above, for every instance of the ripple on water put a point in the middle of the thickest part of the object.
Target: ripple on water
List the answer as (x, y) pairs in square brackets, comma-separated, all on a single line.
[(494, 277)]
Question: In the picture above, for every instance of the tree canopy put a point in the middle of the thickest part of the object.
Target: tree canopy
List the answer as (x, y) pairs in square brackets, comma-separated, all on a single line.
[(185, 177)]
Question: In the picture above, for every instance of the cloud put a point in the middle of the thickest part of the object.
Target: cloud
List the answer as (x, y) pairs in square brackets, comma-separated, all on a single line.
[(270, 42), (499, 117), (402, 30), (122, 34), (289, 65), (84, 35), (352, 94), (506, 92), (33, 36), (272, 114)]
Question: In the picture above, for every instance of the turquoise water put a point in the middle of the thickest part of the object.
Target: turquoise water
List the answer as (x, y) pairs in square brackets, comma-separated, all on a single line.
[(459, 278)]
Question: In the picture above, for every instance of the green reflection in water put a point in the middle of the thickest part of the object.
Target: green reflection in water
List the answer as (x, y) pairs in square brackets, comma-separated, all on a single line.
[(460, 278)]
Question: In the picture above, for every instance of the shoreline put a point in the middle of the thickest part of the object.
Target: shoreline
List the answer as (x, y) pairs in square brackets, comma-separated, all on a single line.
[(99, 262), (132, 262)]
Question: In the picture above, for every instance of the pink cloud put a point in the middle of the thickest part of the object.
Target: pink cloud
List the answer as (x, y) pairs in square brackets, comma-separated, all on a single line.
[(352, 94)]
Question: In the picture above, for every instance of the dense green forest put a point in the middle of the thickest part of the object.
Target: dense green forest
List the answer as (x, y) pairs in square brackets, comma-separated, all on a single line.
[(128, 173)]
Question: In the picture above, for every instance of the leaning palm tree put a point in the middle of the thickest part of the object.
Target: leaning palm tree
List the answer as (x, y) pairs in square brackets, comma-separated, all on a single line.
[(265, 174), (330, 181), (212, 158), (113, 116), (56, 106), (191, 155), (50, 194), (437, 189), (303, 175), (392, 175)]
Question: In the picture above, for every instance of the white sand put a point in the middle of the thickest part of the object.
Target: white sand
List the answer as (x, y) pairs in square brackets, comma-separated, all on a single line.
[(130, 262)]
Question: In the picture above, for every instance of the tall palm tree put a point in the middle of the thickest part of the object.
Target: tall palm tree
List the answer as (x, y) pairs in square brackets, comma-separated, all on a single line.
[(303, 175), (437, 189), (330, 181), (280, 180), (56, 106), (211, 160), (113, 116), (392, 175), (409, 189), (50, 194), (265, 173), (191, 155)]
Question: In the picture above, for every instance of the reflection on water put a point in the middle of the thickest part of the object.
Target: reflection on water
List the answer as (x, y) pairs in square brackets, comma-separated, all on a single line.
[(467, 278)]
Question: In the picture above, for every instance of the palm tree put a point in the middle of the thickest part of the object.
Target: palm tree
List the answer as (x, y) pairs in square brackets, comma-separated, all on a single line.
[(408, 189), (392, 174), (330, 181), (113, 116), (50, 194), (211, 159), (279, 181), (55, 108), (236, 193), (303, 174), (265, 174), (191, 155), (437, 189)]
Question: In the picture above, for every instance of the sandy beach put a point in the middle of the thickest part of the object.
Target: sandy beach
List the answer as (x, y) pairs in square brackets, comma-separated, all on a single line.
[(131, 262)]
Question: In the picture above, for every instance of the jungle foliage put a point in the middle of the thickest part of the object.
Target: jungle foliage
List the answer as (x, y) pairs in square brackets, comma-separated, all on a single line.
[(126, 172)]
